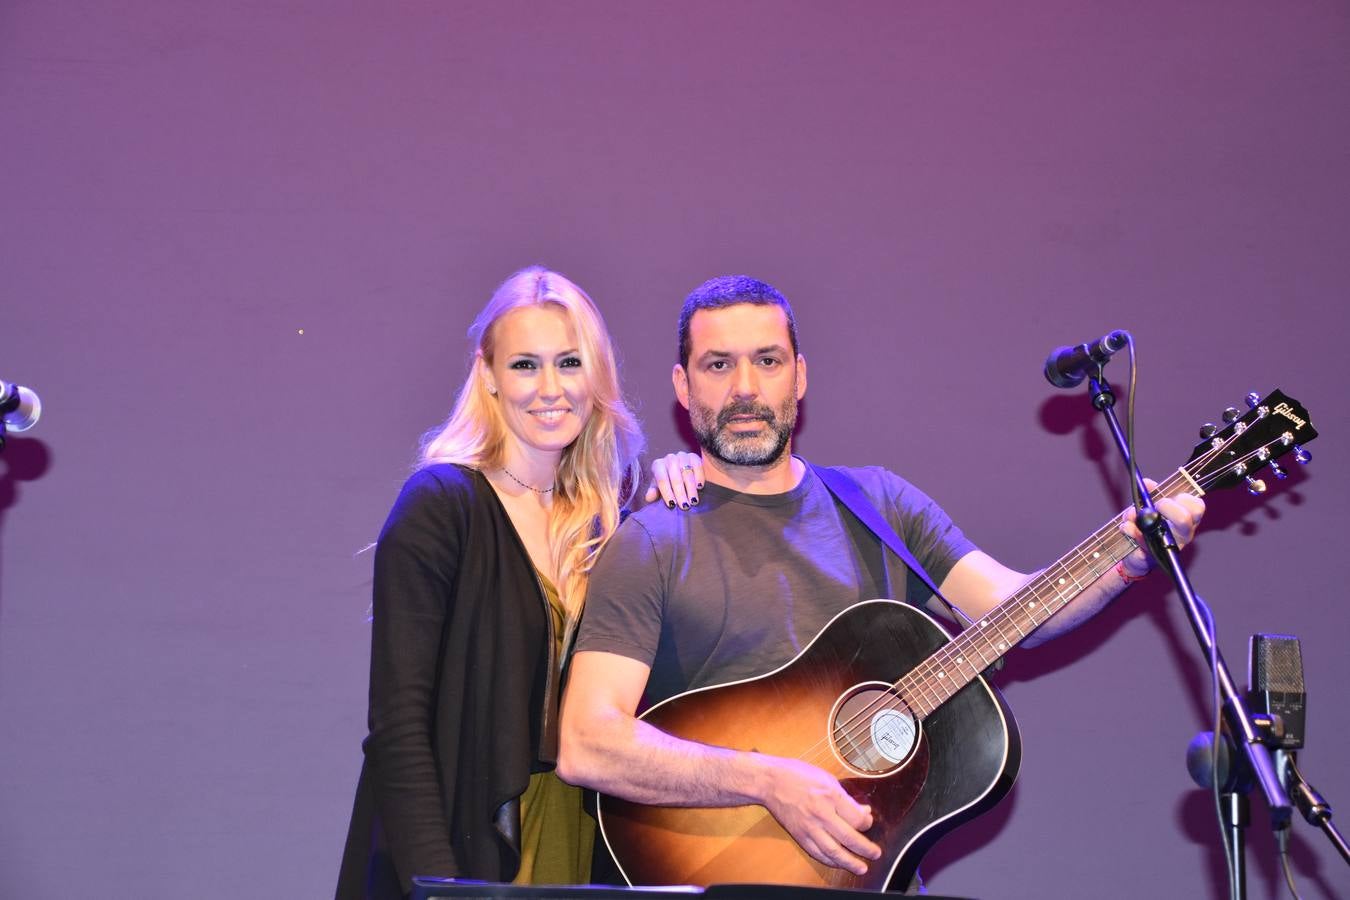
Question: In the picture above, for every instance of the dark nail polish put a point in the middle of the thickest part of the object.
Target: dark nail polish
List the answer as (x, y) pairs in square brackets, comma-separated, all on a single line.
[(670, 504), (694, 501), (684, 506)]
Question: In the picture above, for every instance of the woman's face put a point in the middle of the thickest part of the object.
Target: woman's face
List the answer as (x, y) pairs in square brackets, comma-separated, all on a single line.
[(540, 378)]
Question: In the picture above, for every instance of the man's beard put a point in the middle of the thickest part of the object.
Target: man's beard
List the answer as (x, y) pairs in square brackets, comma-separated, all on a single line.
[(760, 449)]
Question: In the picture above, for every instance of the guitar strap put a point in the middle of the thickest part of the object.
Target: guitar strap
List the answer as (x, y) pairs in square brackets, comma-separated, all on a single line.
[(851, 497)]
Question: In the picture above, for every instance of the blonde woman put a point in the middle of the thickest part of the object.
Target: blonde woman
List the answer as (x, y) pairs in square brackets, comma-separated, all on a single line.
[(480, 576)]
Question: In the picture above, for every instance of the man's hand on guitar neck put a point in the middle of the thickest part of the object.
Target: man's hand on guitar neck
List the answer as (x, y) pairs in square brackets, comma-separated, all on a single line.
[(1182, 512), (604, 746)]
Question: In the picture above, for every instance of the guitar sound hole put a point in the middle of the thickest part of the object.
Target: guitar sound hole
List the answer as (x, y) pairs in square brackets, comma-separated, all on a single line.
[(873, 730)]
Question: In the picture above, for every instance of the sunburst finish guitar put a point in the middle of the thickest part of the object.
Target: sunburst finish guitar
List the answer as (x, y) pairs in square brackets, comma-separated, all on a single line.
[(898, 711)]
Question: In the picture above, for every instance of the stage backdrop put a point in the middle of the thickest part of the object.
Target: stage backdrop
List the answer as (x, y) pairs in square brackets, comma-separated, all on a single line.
[(240, 244)]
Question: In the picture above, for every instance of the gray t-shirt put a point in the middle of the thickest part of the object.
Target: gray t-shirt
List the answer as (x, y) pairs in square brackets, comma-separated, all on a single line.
[(739, 584)]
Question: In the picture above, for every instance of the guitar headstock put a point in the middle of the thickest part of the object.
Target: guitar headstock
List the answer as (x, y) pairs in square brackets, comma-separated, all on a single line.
[(1271, 427)]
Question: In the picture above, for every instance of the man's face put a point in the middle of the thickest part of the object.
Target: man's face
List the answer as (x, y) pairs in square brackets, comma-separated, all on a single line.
[(742, 383)]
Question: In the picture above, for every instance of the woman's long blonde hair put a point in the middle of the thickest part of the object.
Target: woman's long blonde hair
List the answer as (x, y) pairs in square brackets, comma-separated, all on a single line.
[(598, 472)]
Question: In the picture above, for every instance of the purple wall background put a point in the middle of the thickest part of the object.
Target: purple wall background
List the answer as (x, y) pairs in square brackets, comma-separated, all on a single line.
[(944, 191)]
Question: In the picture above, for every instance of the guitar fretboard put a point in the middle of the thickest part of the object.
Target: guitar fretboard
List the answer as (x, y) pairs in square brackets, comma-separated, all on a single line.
[(931, 683)]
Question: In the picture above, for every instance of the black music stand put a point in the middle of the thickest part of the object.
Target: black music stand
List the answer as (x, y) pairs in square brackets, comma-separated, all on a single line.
[(426, 888)]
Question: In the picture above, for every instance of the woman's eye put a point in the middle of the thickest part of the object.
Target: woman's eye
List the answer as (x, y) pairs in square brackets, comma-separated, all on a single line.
[(522, 364), (571, 362)]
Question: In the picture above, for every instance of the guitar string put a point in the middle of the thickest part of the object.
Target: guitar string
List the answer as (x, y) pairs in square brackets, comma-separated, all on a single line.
[(855, 728), (917, 691), (923, 690), (920, 685), (921, 682), (913, 683), (916, 681)]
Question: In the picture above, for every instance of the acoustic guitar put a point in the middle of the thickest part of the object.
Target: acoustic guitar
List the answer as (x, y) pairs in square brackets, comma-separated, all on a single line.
[(896, 709)]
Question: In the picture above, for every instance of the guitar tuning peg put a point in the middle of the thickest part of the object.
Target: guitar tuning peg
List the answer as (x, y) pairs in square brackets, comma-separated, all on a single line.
[(1253, 400), (1278, 471), (1301, 455), (1208, 430), (1230, 415), (1255, 486)]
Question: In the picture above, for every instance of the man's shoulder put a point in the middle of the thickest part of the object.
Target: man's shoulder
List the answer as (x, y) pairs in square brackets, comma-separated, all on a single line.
[(887, 490), (876, 481), (657, 529), (655, 520), (642, 540)]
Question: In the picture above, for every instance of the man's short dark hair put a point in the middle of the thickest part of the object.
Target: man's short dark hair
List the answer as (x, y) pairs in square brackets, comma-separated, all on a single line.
[(730, 290)]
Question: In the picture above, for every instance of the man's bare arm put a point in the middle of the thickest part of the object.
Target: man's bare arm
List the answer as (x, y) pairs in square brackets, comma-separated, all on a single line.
[(605, 747), (978, 582)]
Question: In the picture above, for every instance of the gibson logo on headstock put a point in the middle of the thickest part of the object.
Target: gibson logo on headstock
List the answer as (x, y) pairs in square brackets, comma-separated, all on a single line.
[(1284, 409)]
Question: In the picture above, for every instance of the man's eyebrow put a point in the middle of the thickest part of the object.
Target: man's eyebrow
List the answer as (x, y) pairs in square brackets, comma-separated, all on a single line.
[(726, 354), (713, 354)]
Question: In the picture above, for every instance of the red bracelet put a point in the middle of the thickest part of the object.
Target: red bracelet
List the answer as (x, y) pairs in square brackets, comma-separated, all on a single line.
[(1126, 576)]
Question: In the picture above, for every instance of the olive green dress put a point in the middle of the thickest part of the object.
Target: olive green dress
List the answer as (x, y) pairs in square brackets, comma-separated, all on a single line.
[(556, 834)]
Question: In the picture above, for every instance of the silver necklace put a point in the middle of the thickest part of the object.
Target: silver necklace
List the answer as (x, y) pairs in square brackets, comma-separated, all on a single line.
[(547, 490)]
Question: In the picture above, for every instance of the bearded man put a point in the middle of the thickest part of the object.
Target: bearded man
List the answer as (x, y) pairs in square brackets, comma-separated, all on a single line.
[(737, 585)]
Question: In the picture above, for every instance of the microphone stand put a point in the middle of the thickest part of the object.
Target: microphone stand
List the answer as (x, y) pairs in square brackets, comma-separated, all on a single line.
[(1316, 811), (1163, 547)]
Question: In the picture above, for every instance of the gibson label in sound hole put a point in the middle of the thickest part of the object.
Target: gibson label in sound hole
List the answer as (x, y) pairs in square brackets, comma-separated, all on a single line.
[(873, 730)]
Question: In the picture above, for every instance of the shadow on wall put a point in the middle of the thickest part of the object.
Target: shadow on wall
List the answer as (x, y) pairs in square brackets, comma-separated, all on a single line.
[(1195, 811), (23, 459), (1062, 415), (1198, 820), (969, 837), (1224, 510)]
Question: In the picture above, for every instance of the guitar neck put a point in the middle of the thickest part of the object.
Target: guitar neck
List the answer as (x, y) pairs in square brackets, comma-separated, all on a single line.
[(932, 682)]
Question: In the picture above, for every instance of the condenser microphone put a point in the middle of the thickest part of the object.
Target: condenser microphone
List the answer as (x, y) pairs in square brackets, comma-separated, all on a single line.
[(1275, 686), (20, 408), (1066, 367)]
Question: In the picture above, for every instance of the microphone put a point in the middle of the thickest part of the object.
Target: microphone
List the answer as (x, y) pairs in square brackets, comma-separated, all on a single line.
[(1275, 679), (1066, 367), (20, 408)]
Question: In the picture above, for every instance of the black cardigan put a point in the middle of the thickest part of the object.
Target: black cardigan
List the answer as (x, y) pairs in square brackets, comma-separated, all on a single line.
[(463, 692)]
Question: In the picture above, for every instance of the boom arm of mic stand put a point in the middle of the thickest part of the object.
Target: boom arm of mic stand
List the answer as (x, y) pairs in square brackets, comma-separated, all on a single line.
[(1163, 546), (1314, 808)]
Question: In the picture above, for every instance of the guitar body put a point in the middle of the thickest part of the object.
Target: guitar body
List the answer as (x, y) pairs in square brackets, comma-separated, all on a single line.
[(920, 782)]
